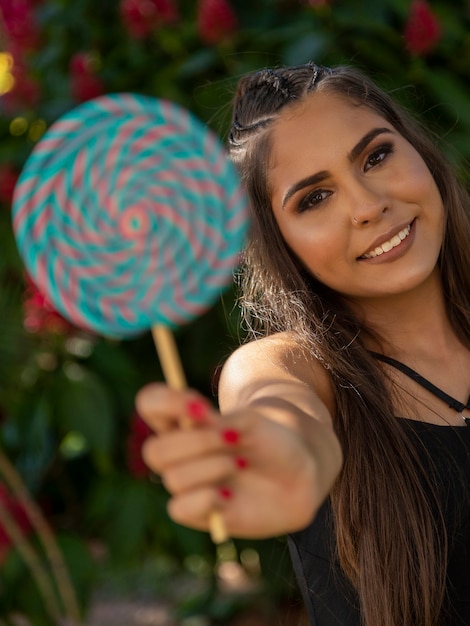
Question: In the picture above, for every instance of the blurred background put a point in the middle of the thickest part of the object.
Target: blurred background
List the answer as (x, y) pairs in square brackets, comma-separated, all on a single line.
[(84, 534)]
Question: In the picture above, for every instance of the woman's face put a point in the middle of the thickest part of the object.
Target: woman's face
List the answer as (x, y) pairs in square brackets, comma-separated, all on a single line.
[(353, 199)]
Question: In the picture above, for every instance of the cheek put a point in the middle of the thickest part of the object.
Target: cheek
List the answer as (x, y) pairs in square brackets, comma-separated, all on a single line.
[(318, 251), (432, 201), (421, 183)]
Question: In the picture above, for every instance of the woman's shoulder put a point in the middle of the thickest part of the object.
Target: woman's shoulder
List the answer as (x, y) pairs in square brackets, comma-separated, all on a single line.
[(278, 350), (275, 359)]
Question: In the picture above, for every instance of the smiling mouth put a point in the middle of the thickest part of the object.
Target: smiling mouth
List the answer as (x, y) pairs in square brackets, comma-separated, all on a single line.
[(388, 245)]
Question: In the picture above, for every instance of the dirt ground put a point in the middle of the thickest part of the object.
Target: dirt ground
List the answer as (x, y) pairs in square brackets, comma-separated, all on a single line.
[(150, 595), (133, 613), (130, 613)]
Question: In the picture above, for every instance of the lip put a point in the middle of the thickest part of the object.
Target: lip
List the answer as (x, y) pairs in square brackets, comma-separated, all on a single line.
[(394, 252)]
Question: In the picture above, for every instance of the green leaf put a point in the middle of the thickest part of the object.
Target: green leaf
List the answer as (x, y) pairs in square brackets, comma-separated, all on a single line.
[(85, 406), (199, 62), (80, 565), (14, 344), (113, 364), (38, 442), (127, 528), (309, 47), (451, 92), (118, 510)]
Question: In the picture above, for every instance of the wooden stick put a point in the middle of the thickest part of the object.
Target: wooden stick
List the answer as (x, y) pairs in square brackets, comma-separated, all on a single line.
[(169, 357), (175, 378)]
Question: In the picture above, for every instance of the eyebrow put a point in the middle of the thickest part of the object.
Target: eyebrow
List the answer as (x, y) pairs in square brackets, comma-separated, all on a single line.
[(365, 141), (352, 156)]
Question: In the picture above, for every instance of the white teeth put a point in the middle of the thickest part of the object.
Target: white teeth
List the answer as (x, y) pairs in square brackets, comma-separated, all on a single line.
[(388, 245)]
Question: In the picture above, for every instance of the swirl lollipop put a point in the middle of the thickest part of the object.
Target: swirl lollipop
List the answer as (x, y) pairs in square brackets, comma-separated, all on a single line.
[(129, 217)]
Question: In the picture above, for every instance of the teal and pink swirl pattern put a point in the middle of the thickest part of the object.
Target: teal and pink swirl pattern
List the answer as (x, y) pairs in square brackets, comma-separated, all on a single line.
[(128, 214)]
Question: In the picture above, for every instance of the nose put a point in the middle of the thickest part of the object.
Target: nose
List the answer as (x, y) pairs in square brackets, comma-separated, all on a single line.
[(368, 203)]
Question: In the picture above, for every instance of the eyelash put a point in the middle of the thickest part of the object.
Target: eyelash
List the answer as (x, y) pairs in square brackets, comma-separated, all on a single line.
[(378, 155), (308, 201), (382, 151)]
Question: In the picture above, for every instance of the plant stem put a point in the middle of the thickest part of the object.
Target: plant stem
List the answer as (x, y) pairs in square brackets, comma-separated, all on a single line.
[(45, 534), (33, 562)]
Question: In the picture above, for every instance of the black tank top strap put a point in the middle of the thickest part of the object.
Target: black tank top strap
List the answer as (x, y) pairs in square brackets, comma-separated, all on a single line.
[(452, 402)]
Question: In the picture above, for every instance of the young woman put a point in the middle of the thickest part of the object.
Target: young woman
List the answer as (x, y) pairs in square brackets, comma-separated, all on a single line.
[(345, 422)]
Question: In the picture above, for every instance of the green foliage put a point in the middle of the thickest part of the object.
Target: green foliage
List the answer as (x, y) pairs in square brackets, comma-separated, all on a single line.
[(66, 398)]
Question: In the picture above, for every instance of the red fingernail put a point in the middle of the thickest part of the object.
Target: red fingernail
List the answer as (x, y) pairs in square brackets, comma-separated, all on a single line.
[(240, 462), (197, 409), (231, 436), (225, 493)]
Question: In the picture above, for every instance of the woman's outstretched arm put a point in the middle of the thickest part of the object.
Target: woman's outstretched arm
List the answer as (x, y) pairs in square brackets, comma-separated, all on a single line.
[(266, 462)]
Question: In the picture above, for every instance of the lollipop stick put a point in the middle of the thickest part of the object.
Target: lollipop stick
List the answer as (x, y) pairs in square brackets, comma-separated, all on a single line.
[(175, 378), (169, 357)]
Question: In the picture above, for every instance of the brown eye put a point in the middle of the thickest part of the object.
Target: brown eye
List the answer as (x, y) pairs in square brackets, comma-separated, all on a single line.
[(378, 156), (313, 199)]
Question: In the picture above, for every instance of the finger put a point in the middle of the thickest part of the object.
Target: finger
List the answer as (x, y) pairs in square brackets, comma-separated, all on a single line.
[(181, 446), (195, 508), (205, 472), (164, 408)]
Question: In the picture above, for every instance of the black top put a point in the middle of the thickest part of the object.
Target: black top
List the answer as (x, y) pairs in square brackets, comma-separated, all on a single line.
[(439, 393), (329, 598)]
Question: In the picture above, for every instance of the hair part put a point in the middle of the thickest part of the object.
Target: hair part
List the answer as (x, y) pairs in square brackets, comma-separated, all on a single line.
[(403, 584)]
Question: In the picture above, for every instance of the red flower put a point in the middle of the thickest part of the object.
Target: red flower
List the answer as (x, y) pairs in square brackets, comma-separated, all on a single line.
[(18, 514), (8, 178), (39, 314), (25, 92), (20, 25), (142, 17), (21, 36), (139, 432), (216, 20), (423, 29), (85, 84)]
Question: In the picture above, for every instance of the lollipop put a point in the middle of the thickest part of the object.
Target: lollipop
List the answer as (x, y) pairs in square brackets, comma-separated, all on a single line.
[(129, 217)]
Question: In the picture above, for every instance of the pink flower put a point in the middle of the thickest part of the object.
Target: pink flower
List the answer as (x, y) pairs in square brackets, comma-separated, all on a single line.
[(19, 516), (423, 29), (142, 17), (40, 316), (85, 84), (139, 432), (216, 20)]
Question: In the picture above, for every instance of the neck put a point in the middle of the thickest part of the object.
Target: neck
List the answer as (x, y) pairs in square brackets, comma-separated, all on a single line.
[(412, 323)]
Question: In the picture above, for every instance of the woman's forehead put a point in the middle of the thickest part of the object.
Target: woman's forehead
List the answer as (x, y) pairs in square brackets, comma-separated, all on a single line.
[(320, 123)]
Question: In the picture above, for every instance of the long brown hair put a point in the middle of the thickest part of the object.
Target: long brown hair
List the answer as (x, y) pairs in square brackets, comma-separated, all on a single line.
[(391, 543)]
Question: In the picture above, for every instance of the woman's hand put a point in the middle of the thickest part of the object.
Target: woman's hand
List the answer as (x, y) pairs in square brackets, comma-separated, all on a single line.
[(258, 473)]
